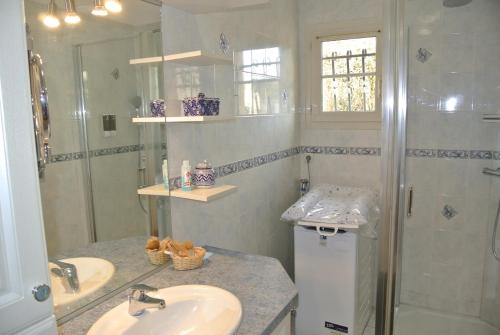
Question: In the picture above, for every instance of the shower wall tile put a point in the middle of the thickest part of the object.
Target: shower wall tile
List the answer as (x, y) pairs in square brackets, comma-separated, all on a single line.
[(114, 185), (64, 216)]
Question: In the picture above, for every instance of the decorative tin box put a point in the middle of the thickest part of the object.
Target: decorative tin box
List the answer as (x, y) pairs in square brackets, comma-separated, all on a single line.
[(157, 107), (200, 105), (204, 175)]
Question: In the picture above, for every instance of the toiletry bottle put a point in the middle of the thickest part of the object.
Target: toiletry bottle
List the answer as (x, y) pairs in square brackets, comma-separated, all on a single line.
[(164, 170), (186, 176)]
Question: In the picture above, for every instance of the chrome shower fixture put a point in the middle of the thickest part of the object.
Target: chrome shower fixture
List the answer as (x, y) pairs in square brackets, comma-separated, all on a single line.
[(455, 3)]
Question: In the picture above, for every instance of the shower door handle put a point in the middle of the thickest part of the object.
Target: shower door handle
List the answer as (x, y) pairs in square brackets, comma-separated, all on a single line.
[(410, 202)]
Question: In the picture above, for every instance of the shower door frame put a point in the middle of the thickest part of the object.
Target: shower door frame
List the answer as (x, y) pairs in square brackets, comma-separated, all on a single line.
[(82, 116), (394, 108)]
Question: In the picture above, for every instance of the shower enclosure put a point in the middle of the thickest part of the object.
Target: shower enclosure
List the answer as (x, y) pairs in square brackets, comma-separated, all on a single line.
[(438, 273)]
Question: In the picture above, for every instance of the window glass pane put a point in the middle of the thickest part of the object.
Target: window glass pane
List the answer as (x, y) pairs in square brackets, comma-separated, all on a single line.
[(370, 64), (245, 98), (272, 55), (370, 96), (328, 96), (326, 67), (355, 65), (258, 56), (343, 94), (358, 96), (355, 45), (340, 66)]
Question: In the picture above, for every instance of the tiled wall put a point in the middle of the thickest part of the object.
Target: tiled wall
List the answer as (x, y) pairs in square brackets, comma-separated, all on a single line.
[(446, 240), (115, 177), (252, 152), (351, 169)]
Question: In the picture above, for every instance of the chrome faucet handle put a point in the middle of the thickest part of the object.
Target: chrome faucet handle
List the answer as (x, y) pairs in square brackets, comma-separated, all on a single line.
[(69, 275), (142, 288), (63, 265), (138, 300)]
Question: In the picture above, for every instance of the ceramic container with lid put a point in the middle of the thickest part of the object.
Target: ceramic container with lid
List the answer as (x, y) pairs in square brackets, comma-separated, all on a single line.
[(204, 175)]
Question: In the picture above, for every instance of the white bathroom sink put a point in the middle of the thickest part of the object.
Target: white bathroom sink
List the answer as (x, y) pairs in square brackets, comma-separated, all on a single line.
[(93, 273), (189, 310)]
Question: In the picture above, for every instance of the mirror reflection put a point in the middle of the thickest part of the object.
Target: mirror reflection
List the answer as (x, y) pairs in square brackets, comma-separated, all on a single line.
[(92, 158)]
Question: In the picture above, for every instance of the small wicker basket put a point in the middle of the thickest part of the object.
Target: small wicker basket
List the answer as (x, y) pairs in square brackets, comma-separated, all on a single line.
[(189, 262), (157, 257)]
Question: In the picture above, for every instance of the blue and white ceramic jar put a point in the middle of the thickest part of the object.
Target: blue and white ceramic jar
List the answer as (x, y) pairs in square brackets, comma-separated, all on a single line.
[(157, 107), (204, 175), (200, 105)]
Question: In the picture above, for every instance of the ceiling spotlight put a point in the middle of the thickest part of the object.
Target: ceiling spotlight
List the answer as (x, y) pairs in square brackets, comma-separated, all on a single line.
[(50, 19), (99, 9), (71, 16), (114, 6)]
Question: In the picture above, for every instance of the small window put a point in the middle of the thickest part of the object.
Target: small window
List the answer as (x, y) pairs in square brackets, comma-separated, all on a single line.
[(259, 81), (346, 79)]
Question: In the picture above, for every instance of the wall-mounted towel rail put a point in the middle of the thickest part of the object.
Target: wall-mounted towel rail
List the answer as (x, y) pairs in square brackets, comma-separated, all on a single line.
[(492, 172), (491, 117)]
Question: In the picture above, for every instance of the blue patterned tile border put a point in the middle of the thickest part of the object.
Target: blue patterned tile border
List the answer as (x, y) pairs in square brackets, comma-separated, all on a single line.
[(66, 157), (245, 164), (445, 153), (481, 154), (271, 157), (421, 153), (365, 151), (358, 151), (411, 152), (453, 154), (95, 153)]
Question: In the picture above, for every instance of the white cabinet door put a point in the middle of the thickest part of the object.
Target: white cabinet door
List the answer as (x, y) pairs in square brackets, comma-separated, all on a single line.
[(23, 259)]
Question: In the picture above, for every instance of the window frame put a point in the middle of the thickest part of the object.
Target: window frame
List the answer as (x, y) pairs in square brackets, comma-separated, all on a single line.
[(350, 120)]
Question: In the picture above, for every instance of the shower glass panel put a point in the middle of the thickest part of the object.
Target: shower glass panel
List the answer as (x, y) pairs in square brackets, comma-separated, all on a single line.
[(109, 84), (449, 281)]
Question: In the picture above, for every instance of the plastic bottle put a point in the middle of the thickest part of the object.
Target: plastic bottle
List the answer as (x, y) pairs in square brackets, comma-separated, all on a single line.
[(164, 170), (186, 176)]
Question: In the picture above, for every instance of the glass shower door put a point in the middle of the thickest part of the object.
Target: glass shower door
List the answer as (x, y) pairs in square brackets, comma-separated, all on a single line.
[(110, 86), (449, 280)]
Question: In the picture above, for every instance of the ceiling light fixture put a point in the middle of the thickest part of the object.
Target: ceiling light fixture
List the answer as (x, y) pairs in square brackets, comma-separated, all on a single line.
[(99, 9), (50, 19), (71, 16), (114, 6)]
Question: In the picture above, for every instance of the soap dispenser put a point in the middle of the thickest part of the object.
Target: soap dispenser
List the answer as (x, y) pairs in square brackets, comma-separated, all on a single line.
[(186, 182)]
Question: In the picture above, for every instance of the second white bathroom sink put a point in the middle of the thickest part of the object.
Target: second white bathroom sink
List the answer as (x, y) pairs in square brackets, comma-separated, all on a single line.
[(189, 310), (93, 273)]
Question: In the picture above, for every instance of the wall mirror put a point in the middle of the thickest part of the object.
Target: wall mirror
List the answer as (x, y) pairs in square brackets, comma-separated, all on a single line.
[(96, 224)]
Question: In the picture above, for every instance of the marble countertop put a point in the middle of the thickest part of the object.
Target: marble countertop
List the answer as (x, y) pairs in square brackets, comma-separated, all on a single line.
[(265, 290)]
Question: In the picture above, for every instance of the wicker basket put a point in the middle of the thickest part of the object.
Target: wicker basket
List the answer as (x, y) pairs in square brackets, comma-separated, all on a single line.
[(189, 262), (157, 257)]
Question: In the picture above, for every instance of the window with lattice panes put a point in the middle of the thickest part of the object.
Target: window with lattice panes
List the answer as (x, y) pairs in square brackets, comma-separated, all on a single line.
[(349, 75), (259, 81)]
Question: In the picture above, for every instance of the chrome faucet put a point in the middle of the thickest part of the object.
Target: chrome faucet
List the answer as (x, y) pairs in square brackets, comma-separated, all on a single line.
[(68, 274), (138, 301)]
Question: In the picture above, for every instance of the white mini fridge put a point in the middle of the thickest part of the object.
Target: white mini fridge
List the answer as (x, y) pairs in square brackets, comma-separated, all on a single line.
[(334, 277)]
